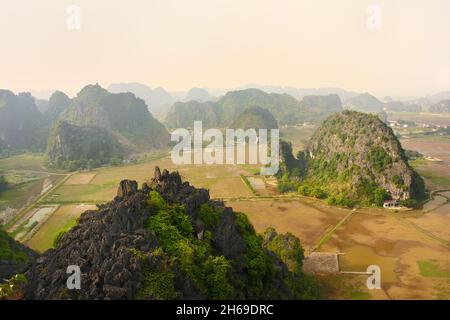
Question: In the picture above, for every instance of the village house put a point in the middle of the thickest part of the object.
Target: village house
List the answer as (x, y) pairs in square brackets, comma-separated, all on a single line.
[(390, 204)]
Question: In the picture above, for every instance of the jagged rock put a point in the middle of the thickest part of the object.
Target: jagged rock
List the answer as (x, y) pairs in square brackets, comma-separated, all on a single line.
[(127, 188), (113, 246), (16, 256)]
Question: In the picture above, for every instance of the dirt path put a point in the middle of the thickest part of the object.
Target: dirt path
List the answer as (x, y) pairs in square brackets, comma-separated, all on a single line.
[(26, 213), (328, 233)]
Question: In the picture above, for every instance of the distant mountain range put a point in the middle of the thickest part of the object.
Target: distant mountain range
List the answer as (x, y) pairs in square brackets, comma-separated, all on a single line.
[(366, 102), (255, 118), (22, 126), (441, 107), (284, 108), (156, 99), (106, 125), (26, 122)]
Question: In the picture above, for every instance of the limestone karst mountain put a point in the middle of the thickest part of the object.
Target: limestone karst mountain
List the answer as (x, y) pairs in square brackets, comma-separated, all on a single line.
[(123, 114), (169, 240), (355, 156), (222, 113), (364, 102)]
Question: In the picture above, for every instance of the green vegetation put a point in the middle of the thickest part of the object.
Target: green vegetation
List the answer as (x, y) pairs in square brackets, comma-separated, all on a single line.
[(209, 216), (360, 295), (257, 264), (158, 284), (255, 118), (348, 165), (122, 115), (192, 256), (286, 184), (73, 147), (440, 180), (58, 237), (428, 268), (3, 183), (291, 254), (248, 184), (181, 248), (12, 287), (7, 250), (229, 108), (379, 158)]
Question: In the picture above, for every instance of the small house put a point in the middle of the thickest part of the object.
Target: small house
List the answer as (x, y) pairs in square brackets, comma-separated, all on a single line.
[(390, 204)]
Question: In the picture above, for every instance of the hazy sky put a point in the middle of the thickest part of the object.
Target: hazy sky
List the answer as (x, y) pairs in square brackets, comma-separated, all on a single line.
[(227, 43)]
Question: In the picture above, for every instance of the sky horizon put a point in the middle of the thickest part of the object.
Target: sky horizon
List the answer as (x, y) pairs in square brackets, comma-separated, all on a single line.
[(385, 47)]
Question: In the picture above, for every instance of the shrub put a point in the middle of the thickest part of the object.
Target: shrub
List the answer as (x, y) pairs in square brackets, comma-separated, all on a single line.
[(303, 190), (12, 287), (215, 270), (209, 216), (3, 183), (7, 252), (192, 256), (58, 237), (410, 203), (158, 284), (379, 158), (256, 262), (156, 201)]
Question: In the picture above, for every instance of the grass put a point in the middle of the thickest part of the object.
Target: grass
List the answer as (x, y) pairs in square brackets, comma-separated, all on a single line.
[(222, 181), (429, 268), (248, 184), (18, 195), (61, 220), (26, 161), (348, 287), (7, 252), (329, 233), (251, 168), (82, 193), (360, 295), (435, 178)]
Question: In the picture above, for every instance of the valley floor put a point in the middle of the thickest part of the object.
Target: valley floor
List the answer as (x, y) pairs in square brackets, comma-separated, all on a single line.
[(412, 248)]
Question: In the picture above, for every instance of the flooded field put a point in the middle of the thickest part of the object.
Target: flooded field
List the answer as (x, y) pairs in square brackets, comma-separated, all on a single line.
[(399, 249), (435, 173), (414, 265), (307, 221)]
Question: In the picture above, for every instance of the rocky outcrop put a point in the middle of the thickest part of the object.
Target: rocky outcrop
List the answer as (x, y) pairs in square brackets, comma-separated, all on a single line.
[(122, 114), (116, 249), (14, 257), (358, 150), (127, 188), (70, 142), (356, 157)]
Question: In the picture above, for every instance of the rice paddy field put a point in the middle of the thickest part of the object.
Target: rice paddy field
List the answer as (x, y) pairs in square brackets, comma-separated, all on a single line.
[(412, 248), (424, 117), (101, 185), (29, 179), (63, 218)]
